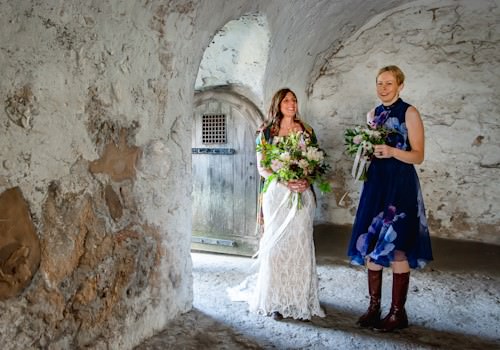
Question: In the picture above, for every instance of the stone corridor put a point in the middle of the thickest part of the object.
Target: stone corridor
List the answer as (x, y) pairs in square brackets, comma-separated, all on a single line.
[(454, 303)]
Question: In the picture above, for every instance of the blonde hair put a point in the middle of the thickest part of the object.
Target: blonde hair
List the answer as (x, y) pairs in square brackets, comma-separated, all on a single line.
[(398, 73)]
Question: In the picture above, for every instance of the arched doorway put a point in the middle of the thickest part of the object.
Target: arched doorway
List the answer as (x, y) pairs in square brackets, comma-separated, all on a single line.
[(225, 177)]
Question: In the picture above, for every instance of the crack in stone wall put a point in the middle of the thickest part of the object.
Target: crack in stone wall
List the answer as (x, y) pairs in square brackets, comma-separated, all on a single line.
[(449, 52)]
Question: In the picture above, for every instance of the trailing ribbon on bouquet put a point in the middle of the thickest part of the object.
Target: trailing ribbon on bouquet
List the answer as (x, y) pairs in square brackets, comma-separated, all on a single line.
[(359, 142), (269, 241), (360, 163)]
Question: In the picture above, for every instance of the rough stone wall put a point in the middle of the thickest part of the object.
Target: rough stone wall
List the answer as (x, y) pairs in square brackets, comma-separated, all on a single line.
[(237, 56), (95, 125), (450, 53), (95, 134)]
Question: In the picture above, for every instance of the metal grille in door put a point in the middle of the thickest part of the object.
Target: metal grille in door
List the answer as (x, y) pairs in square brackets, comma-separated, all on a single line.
[(213, 129)]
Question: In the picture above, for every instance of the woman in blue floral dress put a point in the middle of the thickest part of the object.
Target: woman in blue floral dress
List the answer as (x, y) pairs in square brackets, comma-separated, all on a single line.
[(390, 228)]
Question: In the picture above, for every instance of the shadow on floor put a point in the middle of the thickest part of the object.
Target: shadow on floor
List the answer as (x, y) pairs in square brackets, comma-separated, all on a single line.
[(413, 337), (195, 330), (217, 323), (449, 255)]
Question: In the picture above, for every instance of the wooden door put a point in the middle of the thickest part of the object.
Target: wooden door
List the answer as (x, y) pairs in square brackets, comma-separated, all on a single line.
[(225, 180)]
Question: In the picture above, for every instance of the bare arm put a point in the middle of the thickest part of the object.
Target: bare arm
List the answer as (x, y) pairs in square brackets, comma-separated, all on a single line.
[(416, 138)]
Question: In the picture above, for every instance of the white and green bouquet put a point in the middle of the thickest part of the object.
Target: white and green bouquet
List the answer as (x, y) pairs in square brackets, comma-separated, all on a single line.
[(359, 142), (295, 157)]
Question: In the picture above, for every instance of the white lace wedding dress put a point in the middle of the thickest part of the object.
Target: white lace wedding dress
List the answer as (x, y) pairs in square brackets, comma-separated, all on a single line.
[(287, 280)]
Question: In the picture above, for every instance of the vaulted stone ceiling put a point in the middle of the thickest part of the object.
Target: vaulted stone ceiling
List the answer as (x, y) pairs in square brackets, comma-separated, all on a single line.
[(302, 34)]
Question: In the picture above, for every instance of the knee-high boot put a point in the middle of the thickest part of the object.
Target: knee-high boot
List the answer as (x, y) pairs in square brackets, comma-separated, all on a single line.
[(397, 318), (372, 316)]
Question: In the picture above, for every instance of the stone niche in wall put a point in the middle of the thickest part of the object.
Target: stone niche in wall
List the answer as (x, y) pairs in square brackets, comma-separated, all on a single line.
[(19, 244)]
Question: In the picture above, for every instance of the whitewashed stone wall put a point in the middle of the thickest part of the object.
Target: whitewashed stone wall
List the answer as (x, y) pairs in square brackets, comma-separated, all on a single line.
[(113, 223), (237, 56), (450, 53), (95, 126)]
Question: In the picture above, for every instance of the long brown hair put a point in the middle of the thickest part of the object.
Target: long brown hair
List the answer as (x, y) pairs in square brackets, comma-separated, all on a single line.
[(275, 115)]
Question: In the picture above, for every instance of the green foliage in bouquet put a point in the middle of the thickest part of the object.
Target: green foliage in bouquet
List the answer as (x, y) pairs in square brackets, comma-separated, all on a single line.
[(359, 142), (295, 157)]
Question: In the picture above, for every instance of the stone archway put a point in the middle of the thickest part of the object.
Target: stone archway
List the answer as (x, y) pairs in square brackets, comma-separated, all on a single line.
[(225, 177)]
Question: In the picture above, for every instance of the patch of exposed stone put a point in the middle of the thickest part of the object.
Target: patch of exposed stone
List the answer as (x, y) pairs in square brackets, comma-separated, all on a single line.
[(21, 106), (19, 244), (117, 160), (89, 268), (113, 202)]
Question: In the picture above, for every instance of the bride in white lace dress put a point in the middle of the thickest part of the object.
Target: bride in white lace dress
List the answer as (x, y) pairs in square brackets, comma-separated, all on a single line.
[(286, 283)]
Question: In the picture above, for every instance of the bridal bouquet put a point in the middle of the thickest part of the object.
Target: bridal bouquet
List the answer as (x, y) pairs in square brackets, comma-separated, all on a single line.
[(295, 157), (359, 142)]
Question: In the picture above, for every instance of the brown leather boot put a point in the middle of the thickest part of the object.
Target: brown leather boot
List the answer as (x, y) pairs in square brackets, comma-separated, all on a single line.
[(397, 318), (372, 316)]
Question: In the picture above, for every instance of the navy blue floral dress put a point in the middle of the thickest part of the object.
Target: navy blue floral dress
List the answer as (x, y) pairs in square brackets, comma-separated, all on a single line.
[(391, 214)]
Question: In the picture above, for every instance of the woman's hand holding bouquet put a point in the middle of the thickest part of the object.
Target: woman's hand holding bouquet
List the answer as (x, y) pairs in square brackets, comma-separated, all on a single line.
[(359, 142), (294, 157)]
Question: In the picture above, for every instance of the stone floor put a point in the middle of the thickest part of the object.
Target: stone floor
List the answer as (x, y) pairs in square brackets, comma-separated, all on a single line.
[(454, 303)]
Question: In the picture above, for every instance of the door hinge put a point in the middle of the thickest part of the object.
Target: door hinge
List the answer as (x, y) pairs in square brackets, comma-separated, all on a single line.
[(214, 241), (223, 151)]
